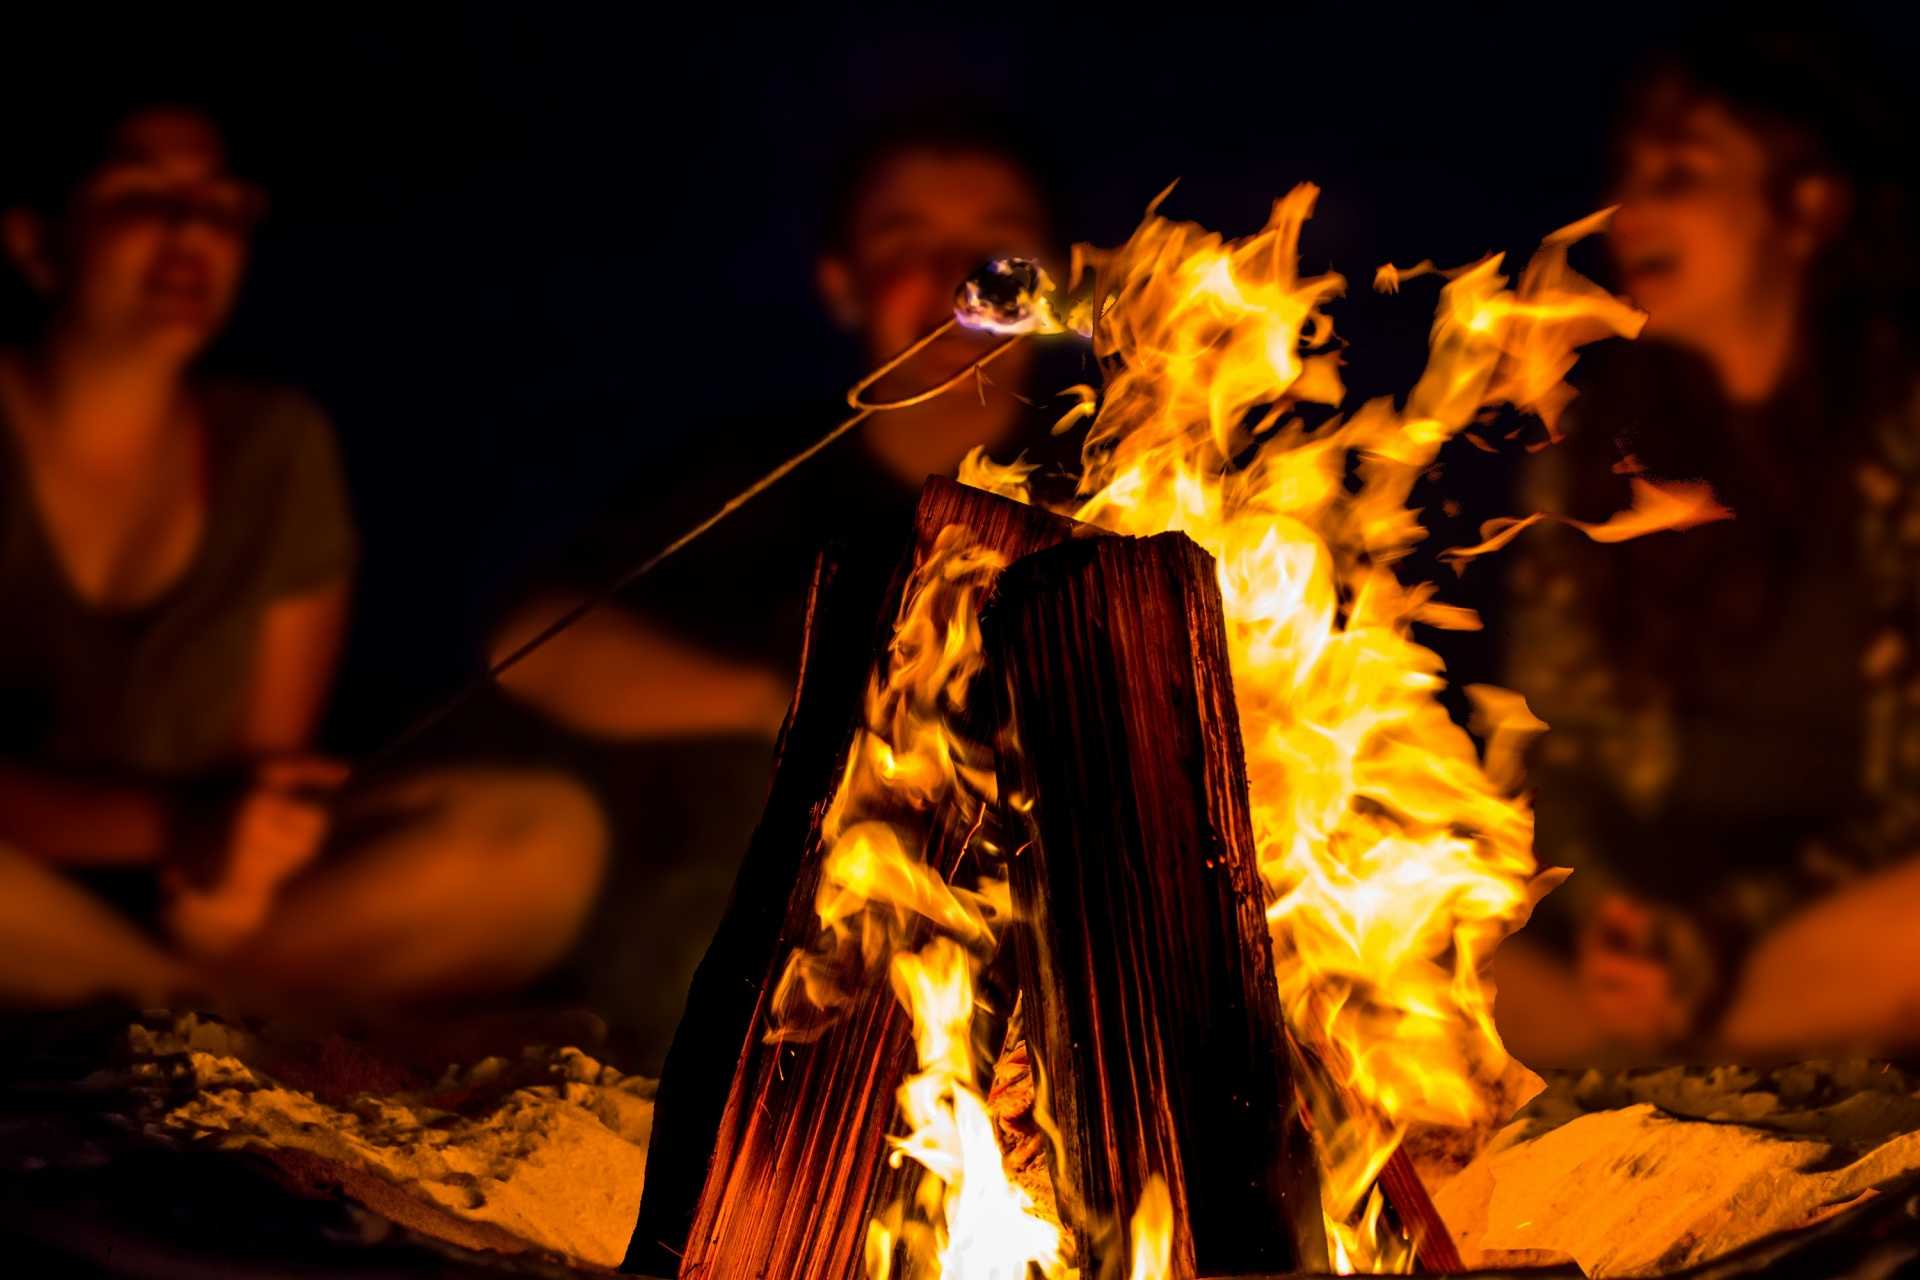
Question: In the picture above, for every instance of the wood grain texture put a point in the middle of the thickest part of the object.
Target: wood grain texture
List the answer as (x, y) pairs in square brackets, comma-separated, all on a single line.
[(1432, 1242), (1151, 1002), (728, 992), (769, 1159)]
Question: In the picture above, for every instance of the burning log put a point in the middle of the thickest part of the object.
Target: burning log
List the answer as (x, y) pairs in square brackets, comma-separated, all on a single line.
[(728, 991), (1151, 1001), (1328, 1103), (1151, 993), (769, 1159), (1419, 1218)]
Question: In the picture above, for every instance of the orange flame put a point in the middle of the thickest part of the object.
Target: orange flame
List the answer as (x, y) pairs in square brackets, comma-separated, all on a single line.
[(909, 763), (1395, 854), (1656, 508)]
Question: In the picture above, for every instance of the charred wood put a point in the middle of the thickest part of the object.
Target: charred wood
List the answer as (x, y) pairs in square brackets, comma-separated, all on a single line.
[(768, 1159)]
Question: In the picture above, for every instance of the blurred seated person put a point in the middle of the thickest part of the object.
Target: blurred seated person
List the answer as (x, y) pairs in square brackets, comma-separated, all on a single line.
[(671, 696), (710, 642), (1733, 761), (175, 561)]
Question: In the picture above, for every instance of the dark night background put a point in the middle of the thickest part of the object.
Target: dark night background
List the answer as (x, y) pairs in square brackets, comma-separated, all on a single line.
[(521, 253)]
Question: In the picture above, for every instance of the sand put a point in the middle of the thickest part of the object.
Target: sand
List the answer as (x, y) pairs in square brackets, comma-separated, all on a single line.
[(546, 1152), (1633, 1173), (1647, 1172)]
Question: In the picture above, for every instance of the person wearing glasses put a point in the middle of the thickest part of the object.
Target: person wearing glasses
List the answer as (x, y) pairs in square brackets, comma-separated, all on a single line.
[(176, 555)]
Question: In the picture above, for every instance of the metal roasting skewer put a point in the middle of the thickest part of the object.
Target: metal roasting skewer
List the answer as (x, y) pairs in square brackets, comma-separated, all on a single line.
[(967, 314)]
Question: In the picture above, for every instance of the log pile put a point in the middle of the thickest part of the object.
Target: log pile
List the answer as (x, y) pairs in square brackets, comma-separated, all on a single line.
[(1142, 956)]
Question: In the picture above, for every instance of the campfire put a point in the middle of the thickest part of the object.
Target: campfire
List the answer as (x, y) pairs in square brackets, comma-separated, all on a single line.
[(1138, 909), (1119, 907)]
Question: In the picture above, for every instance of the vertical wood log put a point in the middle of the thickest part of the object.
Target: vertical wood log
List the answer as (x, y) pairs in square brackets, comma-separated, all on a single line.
[(1151, 1002), (768, 1160), (728, 990)]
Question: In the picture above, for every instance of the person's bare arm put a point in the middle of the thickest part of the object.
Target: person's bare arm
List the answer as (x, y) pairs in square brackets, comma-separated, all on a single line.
[(293, 670), (278, 825), (614, 675), (77, 821), (1842, 976), (80, 822)]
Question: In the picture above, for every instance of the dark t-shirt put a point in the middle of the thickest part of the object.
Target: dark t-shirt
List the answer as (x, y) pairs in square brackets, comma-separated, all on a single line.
[(1704, 688), (682, 810), (157, 690), (741, 590)]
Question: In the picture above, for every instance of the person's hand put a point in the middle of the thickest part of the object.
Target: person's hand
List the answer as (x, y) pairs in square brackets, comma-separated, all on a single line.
[(1633, 993), (278, 826), (281, 823)]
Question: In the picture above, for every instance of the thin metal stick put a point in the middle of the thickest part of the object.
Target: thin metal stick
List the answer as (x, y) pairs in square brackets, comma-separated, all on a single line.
[(859, 388), (862, 411)]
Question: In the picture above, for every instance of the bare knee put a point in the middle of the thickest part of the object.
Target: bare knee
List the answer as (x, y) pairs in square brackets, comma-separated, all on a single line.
[(535, 845), (1842, 976), (540, 829)]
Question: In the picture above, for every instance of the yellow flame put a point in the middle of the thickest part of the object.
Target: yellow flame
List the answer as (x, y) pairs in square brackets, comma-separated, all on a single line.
[(908, 761), (910, 765), (1396, 853), (1396, 856), (988, 1229), (1152, 1233)]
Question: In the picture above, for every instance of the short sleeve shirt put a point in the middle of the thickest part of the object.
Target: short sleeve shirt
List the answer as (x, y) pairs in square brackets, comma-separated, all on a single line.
[(157, 691)]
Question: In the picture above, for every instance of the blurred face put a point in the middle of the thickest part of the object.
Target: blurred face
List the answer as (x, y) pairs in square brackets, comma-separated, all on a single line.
[(925, 220), (154, 242), (1701, 239)]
